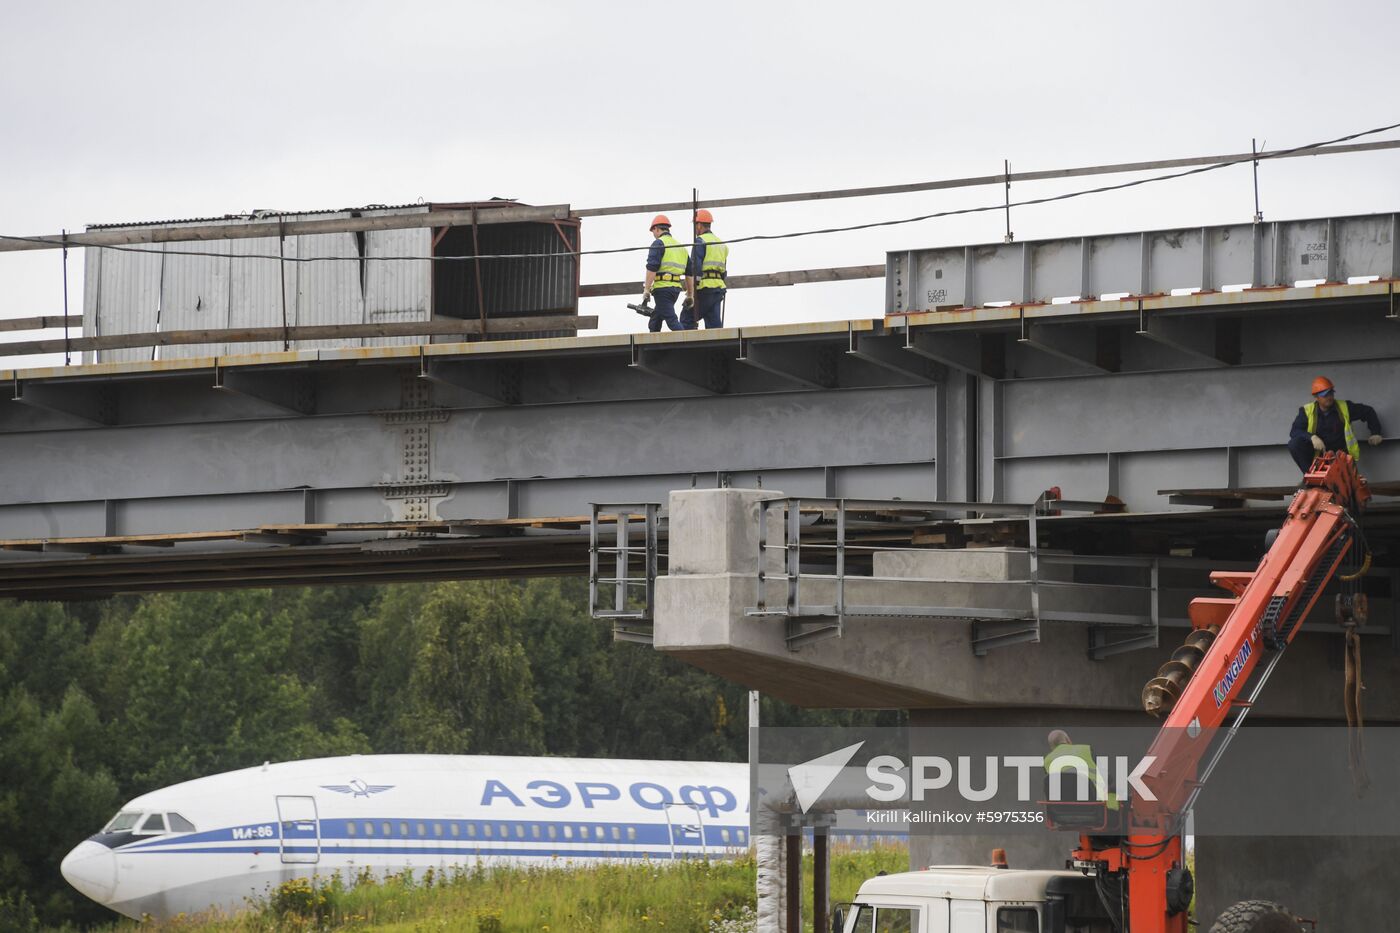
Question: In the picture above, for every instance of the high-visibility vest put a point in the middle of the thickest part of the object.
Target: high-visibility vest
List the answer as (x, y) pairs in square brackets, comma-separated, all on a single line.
[(1062, 758), (671, 273), (716, 261), (1353, 447)]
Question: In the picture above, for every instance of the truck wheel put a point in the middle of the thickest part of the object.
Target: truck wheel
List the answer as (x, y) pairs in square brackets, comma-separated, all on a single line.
[(1256, 917)]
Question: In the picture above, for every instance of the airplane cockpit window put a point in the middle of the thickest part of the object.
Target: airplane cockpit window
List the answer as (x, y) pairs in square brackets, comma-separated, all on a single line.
[(123, 822), (178, 824), (155, 823)]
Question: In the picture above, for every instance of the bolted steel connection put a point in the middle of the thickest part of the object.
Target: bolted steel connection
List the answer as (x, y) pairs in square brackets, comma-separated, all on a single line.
[(1162, 691)]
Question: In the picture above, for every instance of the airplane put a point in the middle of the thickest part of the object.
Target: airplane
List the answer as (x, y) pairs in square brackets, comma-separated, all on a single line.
[(225, 842)]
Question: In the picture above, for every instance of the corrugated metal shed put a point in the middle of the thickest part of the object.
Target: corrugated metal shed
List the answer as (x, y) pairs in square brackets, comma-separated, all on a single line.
[(242, 283)]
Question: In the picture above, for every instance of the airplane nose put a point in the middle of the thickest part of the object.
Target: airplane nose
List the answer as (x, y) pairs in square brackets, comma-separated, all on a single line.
[(92, 869)]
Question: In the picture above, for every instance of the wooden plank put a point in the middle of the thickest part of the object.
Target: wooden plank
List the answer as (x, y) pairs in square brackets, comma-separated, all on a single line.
[(43, 322), (762, 280), (155, 540), (306, 332), (272, 228)]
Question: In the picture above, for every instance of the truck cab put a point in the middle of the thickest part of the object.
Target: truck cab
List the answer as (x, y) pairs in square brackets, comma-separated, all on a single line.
[(974, 899)]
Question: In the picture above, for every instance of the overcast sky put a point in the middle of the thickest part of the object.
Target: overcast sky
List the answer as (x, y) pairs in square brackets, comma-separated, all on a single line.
[(135, 110)]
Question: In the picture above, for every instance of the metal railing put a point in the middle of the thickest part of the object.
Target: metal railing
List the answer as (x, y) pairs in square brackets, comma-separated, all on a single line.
[(834, 522), (633, 602), (992, 627)]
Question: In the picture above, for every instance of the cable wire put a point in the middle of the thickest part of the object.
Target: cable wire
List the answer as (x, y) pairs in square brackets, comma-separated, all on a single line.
[(1029, 202)]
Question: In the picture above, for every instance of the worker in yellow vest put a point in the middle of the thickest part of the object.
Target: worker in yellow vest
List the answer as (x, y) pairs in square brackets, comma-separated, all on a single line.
[(667, 273), (1065, 756), (1325, 424), (709, 263)]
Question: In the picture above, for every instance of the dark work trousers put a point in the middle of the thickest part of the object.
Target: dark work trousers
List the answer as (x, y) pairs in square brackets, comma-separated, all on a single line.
[(1302, 450), (707, 307), (664, 309)]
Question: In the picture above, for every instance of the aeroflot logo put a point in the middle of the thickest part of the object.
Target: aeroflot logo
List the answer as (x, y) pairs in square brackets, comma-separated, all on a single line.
[(708, 798), (358, 788), (1232, 674)]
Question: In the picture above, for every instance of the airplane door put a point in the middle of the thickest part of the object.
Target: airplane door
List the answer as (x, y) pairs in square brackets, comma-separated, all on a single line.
[(300, 830), (687, 827)]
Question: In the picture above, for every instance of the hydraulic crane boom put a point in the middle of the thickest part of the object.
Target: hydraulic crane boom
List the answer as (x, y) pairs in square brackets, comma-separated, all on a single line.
[(1234, 640)]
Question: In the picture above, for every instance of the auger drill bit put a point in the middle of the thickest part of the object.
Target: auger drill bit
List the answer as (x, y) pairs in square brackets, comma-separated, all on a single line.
[(1162, 691)]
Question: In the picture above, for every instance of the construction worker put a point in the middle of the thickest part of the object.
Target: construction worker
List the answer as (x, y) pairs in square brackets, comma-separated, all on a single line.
[(1065, 756), (1325, 424), (709, 260), (667, 274)]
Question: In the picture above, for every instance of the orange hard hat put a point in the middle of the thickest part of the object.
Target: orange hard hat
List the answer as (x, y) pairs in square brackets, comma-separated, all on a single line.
[(1322, 384), (703, 216), (661, 220)]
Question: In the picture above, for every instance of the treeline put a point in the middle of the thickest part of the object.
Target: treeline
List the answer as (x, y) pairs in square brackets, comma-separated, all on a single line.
[(102, 701)]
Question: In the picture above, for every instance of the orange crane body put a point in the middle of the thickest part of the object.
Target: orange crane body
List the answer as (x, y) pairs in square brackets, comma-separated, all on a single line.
[(1261, 617)]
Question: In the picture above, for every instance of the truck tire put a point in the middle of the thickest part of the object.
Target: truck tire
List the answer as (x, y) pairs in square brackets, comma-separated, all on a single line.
[(1256, 917)]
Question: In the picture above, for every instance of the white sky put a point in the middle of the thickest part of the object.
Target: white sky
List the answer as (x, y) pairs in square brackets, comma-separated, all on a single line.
[(130, 111)]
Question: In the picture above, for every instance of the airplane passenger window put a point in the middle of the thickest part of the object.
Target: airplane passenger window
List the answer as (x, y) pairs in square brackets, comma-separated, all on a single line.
[(178, 824), (505, 831), (349, 827), (553, 833), (583, 832), (155, 823), (486, 830), (369, 828), (535, 830), (403, 829), (631, 834), (123, 822), (519, 831), (617, 834), (456, 830), (387, 827), (568, 832), (741, 837), (422, 830), (724, 835), (471, 830), (437, 830)]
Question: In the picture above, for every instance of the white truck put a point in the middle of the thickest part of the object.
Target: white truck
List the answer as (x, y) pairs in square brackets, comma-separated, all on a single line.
[(974, 899)]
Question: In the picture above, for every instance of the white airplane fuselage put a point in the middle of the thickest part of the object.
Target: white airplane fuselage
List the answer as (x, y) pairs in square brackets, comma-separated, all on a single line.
[(225, 842)]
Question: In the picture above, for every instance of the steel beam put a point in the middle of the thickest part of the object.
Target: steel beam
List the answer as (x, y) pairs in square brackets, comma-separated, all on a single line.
[(93, 403), (291, 391), (1076, 343), (1194, 337)]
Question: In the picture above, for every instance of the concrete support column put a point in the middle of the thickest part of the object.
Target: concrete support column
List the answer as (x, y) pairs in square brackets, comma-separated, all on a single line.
[(772, 884), (1342, 882)]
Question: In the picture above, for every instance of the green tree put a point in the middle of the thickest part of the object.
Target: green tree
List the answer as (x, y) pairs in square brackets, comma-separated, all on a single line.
[(469, 686), (54, 791), (201, 683)]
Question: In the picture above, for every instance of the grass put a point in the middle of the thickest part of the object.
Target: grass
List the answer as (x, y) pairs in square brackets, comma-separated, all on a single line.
[(685, 897)]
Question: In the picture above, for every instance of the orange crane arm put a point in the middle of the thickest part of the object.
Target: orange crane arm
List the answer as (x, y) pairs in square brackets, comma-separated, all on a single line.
[(1204, 682), (1263, 614)]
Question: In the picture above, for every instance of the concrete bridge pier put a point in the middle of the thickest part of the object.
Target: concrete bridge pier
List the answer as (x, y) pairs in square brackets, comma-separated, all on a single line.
[(926, 665)]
